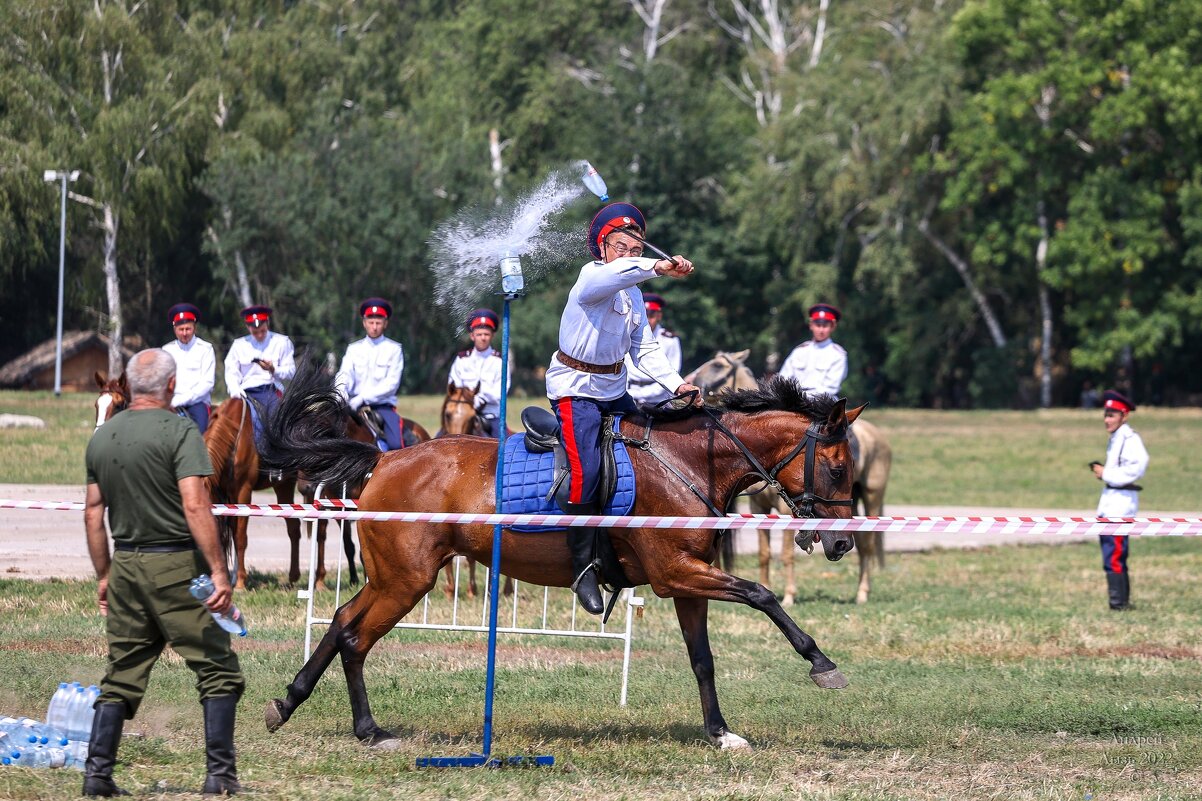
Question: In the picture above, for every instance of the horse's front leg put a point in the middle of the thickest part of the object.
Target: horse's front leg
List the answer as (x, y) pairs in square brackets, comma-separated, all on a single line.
[(693, 616), (240, 526), (693, 578)]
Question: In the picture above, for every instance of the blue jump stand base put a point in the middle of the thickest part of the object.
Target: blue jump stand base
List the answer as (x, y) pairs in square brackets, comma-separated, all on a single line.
[(481, 761)]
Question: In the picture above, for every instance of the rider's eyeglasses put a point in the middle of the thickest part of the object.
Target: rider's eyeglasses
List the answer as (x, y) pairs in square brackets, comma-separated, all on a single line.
[(620, 249)]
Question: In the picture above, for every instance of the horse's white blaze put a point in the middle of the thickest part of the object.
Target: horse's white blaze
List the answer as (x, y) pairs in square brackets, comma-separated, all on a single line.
[(102, 404), (731, 741)]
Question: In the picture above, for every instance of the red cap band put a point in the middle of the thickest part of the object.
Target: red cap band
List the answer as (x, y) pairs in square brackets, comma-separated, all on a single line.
[(257, 318), (1112, 403), (482, 321), (654, 306), (822, 314), (183, 317), (614, 225), (375, 311)]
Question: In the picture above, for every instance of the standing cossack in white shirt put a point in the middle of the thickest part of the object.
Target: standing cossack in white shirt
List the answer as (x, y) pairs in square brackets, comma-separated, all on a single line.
[(819, 365), (1126, 461)]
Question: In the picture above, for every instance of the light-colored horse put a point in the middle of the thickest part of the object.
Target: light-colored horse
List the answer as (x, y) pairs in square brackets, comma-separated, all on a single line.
[(728, 370)]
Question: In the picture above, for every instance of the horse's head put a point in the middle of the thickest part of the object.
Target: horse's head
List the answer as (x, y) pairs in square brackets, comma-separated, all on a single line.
[(724, 371), (114, 397), (803, 453), (459, 411)]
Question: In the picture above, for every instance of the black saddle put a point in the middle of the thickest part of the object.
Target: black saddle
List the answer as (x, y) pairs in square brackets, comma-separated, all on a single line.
[(543, 435)]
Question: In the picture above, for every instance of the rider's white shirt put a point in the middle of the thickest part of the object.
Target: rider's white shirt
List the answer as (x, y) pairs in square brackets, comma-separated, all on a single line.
[(241, 372), (818, 367), (195, 371), (480, 367), (1126, 461), (371, 371), (643, 387), (605, 320)]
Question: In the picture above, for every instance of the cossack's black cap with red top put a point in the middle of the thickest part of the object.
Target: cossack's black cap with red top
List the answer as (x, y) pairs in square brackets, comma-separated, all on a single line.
[(1112, 399), (375, 307), (256, 315), (825, 311), (183, 313), (613, 217), (486, 318)]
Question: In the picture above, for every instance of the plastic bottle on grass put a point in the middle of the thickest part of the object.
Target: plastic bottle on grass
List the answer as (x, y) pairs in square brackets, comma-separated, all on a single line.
[(79, 723), (232, 621), (56, 713), (45, 757)]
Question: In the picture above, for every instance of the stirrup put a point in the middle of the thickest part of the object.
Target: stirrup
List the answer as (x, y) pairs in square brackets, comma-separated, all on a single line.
[(593, 565)]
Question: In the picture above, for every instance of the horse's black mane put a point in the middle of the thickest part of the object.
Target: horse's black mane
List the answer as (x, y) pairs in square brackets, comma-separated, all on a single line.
[(771, 394)]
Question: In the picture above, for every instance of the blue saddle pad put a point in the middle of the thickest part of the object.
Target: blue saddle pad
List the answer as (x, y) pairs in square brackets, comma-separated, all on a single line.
[(528, 478)]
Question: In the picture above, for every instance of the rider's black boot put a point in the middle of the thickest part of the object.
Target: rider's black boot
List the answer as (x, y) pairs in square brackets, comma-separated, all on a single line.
[(102, 751), (582, 544)]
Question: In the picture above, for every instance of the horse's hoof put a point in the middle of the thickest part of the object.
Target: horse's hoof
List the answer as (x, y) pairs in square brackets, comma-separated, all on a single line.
[(729, 741), (830, 680), (274, 715), (391, 744), (787, 600)]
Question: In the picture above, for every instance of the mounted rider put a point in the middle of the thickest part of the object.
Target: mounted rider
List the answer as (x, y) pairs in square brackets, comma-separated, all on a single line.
[(479, 369), (603, 323), (259, 363), (371, 372), (643, 388), (195, 366)]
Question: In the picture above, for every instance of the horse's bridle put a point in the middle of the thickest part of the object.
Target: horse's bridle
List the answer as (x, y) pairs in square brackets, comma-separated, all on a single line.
[(800, 505), (708, 387)]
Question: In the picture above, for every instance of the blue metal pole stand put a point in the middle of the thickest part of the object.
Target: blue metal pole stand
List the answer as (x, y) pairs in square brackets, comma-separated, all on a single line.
[(494, 585)]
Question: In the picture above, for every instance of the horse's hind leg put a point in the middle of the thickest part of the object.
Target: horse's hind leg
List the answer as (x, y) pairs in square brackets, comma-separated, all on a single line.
[(348, 548), (786, 558), (765, 556), (692, 613)]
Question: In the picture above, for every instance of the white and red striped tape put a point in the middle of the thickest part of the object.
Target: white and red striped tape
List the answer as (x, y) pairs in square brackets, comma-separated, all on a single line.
[(345, 510)]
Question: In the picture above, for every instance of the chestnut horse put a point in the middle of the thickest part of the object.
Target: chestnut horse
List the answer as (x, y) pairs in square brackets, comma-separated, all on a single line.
[(412, 433), (114, 396), (718, 451), (728, 371), (230, 440)]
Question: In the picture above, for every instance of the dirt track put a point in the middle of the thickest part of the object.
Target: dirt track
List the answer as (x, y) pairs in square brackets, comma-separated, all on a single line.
[(38, 544)]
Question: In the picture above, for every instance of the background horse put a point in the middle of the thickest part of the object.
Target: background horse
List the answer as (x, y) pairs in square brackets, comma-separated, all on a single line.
[(230, 440), (804, 438), (412, 433), (728, 371), (114, 397)]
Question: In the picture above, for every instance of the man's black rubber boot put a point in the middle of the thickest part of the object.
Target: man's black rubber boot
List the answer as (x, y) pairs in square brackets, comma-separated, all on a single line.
[(107, 724), (1119, 586), (221, 774)]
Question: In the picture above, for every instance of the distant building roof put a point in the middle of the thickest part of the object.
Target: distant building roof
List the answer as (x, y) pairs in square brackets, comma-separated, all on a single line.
[(22, 369)]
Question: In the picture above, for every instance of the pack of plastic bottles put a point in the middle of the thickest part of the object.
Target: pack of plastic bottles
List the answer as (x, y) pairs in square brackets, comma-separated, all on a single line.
[(59, 742)]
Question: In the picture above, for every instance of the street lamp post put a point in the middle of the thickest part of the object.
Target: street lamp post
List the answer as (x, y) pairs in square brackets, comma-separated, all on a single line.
[(64, 176)]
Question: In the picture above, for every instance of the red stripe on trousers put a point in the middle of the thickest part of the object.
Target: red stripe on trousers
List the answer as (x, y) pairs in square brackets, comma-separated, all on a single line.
[(1116, 565), (569, 444)]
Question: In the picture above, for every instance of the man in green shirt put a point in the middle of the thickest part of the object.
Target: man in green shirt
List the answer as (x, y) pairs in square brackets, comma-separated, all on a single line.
[(146, 467)]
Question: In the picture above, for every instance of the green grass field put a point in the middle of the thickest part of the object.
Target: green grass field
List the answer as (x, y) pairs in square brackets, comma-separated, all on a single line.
[(1014, 459), (995, 673)]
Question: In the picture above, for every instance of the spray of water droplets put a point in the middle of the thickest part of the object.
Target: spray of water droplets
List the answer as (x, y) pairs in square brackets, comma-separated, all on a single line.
[(468, 247)]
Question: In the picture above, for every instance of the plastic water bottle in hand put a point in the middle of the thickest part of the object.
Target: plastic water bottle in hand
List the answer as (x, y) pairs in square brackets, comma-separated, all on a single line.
[(595, 183), (232, 621)]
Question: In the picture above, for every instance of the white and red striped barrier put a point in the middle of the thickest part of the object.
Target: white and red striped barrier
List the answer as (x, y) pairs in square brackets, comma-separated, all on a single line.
[(347, 510)]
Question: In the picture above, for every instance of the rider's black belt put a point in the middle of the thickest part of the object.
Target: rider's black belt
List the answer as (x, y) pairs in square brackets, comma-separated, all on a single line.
[(1131, 487), (585, 367), (190, 545)]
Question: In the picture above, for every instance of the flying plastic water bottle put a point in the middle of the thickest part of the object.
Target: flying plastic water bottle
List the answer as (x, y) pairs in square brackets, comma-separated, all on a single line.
[(233, 621), (595, 183)]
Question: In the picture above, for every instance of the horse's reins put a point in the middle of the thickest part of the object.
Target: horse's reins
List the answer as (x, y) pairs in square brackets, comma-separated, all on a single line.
[(800, 505)]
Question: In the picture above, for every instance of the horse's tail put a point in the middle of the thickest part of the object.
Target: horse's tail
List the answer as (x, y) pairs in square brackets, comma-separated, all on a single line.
[(307, 432)]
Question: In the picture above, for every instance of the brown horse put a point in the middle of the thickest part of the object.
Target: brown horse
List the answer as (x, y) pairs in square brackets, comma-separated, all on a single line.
[(412, 433), (718, 451), (230, 441), (728, 371), (114, 397)]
